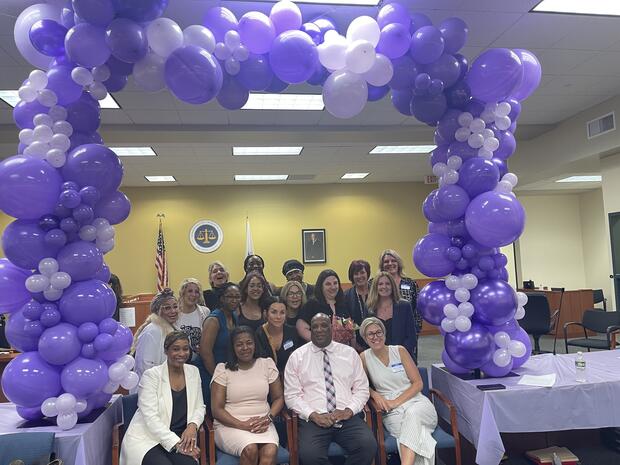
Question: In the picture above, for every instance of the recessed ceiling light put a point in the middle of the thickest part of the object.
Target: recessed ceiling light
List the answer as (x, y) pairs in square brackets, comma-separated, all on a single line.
[(160, 178), (134, 151), (381, 149), (591, 178), (284, 102), (267, 150), (579, 7), (11, 97), (261, 177), (354, 175)]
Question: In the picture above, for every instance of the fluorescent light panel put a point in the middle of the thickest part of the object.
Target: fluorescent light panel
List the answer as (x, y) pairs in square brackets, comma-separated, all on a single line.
[(306, 102), (589, 178), (261, 177), (134, 151), (160, 178), (354, 175), (580, 7), (241, 151), (11, 97), (386, 149)]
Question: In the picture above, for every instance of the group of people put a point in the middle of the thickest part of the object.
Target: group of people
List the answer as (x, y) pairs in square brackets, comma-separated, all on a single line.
[(238, 334)]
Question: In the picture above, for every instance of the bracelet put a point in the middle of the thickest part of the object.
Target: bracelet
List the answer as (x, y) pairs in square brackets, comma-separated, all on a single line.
[(270, 416)]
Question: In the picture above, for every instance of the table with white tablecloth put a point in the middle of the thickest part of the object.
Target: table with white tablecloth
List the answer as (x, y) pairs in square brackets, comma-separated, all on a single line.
[(568, 405), (84, 444)]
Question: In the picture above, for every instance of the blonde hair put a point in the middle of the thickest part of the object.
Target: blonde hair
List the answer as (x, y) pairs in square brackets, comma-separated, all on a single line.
[(371, 320), (154, 317), (394, 254), (373, 293), (183, 289), (213, 265), (287, 287)]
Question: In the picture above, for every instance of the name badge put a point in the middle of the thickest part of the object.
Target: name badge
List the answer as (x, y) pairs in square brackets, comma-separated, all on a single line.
[(405, 286), (288, 344), (397, 367)]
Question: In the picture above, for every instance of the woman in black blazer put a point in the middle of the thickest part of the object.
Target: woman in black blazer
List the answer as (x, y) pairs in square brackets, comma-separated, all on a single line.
[(276, 340)]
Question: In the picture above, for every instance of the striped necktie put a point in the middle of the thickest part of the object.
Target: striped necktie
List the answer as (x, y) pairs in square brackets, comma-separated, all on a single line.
[(330, 390)]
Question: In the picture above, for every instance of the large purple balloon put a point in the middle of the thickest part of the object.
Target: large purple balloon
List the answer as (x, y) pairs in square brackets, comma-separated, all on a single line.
[(59, 80), (24, 244), (440, 154), (495, 219), (429, 108), (29, 413), (532, 73), (48, 37), (141, 11), (78, 138), (451, 201), (18, 337), (233, 95), (255, 73), (86, 301), (59, 344), (470, 349), (13, 292), (114, 207), (81, 259), (429, 210), (495, 75), (293, 57), (84, 114), (451, 365), (97, 12), (120, 346), (478, 175), (219, 21), (28, 380), (401, 99), (393, 13), (24, 112), (431, 300), (85, 44), (405, 72), (507, 144), (84, 377), (29, 187), (491, 370), (429, 255), (94, 165), (495, 302), (257, 32), (458, 95), (448, 125), (127, 40), (454, 31), (427, 45), (394, 40), (446, 68), (193, 74)]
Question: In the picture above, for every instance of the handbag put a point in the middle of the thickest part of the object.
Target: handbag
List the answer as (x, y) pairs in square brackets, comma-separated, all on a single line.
[(343, 330)]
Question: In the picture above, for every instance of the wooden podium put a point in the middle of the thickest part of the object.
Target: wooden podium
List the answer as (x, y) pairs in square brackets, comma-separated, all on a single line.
[(141, 305)]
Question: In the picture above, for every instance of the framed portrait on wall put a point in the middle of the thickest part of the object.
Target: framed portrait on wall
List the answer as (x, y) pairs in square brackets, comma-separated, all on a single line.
[(313, 245)]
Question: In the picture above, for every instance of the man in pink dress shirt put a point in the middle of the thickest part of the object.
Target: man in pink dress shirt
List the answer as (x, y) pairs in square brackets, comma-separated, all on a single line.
[(325, 384)]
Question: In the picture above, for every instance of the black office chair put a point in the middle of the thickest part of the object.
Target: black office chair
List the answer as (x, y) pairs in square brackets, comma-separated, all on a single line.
[(599, 322), (599, 297), (537, 319)]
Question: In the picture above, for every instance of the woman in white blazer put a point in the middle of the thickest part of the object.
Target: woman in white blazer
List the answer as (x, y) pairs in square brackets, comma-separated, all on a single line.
[(170, 411)]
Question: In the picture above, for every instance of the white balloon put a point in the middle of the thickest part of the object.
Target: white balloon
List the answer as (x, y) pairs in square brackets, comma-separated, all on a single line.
[(60, 142), (232, 66), (520, 313), (484, 153), (128, 361), (487, 116), (105, 246), (27, 93), (43, 133), (466, 309), (502, 339), (100, 223), (511, 178), (461, 294), (117, 372), (65, 403), (26, 136), (451, 311), (345, 94), (58, 113), (360, 56), (448, 325), (42, 120), (517, 348), (98, 91), (56, 157), (24, 22), (164, 36), (450, 177), (130, 381), (241, 53), (503, 109), (332, 52), (52, 294), (48, 407), (37, 283), (62, 127), (48, 266), (199, 36), (47, 98), (232, 39), (381, 72), (453, 282), (501, 357), (462, 134), (38, 79), (475, 140), (465, 119), (491, 144), (111, 387), (439, 168), (521, 298), (477, 125), (39, 148), (66, 421), (486, 133), (462, 323), (469, 281), (80, 406), (88, 233), (503, 122), (82, 76), (101, 73), (105, 234), (454, 162), (504, 187), (148, 73), (365, 28), (222, 52), (60, 280)]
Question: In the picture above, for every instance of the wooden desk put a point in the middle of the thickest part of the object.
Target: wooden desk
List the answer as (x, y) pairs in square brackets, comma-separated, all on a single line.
[(142, 305), (574, 303), (4, 361)]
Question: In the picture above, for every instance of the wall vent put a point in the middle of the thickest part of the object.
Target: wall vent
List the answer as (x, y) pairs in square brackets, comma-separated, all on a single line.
[(602, 125)]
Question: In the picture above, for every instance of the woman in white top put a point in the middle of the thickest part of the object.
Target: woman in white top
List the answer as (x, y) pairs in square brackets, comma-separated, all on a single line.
[(397, 389), (148, 342), (192, 312)]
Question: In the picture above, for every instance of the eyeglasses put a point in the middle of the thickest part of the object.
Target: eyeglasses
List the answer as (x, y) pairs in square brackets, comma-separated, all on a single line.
[(374, 334), (294, 294)]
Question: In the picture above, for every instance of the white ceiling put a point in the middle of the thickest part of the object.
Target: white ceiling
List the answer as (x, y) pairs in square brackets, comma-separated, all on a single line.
[(580, 57)]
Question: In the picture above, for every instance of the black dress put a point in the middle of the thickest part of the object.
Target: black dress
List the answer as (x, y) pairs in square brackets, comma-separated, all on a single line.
[(313, 306), (290, 342), (212, 297)]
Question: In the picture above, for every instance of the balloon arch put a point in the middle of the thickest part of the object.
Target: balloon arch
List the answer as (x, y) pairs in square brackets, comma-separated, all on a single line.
[(62, 187)]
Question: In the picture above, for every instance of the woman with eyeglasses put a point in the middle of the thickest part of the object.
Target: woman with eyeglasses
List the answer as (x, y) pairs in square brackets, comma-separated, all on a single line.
[(254, 291), (293, 296), (409, 415), (148, 344)]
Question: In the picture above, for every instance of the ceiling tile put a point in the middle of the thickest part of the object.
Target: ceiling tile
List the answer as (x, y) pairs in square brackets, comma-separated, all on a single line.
[(145, 101), (562, 61), (538, 31), (154, 117), (590, 34), (600, 64), (203, 117)]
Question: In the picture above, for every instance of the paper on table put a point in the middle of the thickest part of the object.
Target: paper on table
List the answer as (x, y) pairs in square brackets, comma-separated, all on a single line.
[(127, 315), (541, 380)]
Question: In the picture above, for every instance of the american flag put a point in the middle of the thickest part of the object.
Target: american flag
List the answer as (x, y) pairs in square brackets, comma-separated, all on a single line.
[(161, 263)]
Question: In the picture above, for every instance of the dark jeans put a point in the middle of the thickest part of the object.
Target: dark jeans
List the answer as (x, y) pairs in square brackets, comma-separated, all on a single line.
[(159, 456), (354, 437)]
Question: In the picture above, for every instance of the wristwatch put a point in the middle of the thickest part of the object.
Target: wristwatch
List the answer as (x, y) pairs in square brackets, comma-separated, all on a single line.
[(270, 416)]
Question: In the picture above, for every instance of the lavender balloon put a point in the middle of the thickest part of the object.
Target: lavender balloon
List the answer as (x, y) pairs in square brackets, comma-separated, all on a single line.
[(431, 300), (220, 20), (495, 75), (393, 13), (28, 380), (478, 175), (451, 202), (491, 370), (532, 73), (84, 377), (285, 16), (94, 165), (114, 207), (13, 292), (470, 349), (495, 219), (48, 37), (193, 74), (429, 255), (59, 80), (257, 32), (495, 302), (86, 45), (81, 259), (451, 365), (98, 12), (394, 40), (127, 40), (294, 57), (427, 45), (86, 301), (59, 344)]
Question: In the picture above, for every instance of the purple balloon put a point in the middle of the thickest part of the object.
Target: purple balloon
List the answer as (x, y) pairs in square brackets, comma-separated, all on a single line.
[(50, 315), (56, 238), (393, 13), (324, 25), (451, 365), (532, 73), (193, 74), (29, 413), (233, 95), (69, 198), (440, 154), (429, 255), (507, 144), (429, 210), (127, 40), (85, 44), (463, 150), (495, 75), (394, 40), (109, 326), (463, 64), (377, 93), (67, 17), (313, 31), (405, 72), (13, 292), (59, 80), (285, 17), (219, 21), (84, 377), (419, 20), (478, 175), (446, 68), (32, 310), (29, 187), (255, 73), (94, 165), (501, 165), (103, 274), (60, 344), (69, 225), (521, 335), (119, 67), (319, 77), (454, 32), (28, 380), (24, 112), (48, 37), (114, 207), (451, 201), (116, 82), (89, 195), (491, 370), (470, 349), (87, 301), (439, 227), (401, 99), (448, 125), (83, 214), (515, 110), (431, 300), (84, 115), (97, 12), (495, 219), (87, 332), (427, 45), (24, 244), (98, 400), (429, 108), (257, 32), (17, 336), (121, 345), (81, 259), (458, 95), (495, 302), (293, 57), (277, 85), (78, 138)]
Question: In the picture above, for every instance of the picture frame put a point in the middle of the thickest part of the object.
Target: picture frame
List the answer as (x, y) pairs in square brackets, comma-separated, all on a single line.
[(313, 246)]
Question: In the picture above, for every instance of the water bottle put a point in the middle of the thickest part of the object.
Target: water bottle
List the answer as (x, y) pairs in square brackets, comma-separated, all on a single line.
[(580, 368)]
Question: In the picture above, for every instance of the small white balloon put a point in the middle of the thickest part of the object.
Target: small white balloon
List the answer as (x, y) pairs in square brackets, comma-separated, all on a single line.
[(82, 76), (43, 120), (100, 223), (128, 361), (485, 153), (453, 282), (520, 313), (454, 162), (52, 294), (60, 280), (516, 348), (461, 294), (62, 127), (241, 53), (491, 107), (503, 109), (199, 36), (98, 91), (466, 309), (38, 79), (381, 72), (486, 133), (462, 323), (80, 406), (66, 421), (48, 407), (469, 281), (501, 357), (48, 266), (222, 52), (164, 36), (105, 246), (491, 144), (462, 134), (232, 66), (37, 283), (117, 372), (521, 298), (65, 403), (439, 169), (58, 113), (360, 56), (88, 233), (451, 311), (111, 387), (47, 98), (56, 157), (450, 177), (487, 116), (232, 39), (28, 93), (38, 148), (130, 381), (101, 73), (105, 234), (43, 133), (477, 125), (448, 325), (503, 122), (26, 136), (364, 28), (511, 178), (504, 187), (465, 119), (501, 338), (475, 140), (333, 51), (60, 142)]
